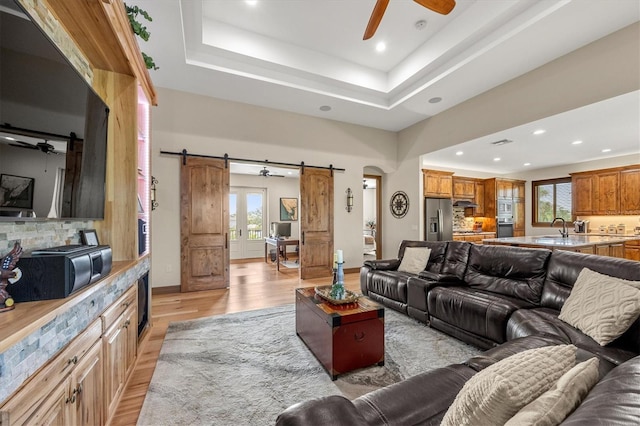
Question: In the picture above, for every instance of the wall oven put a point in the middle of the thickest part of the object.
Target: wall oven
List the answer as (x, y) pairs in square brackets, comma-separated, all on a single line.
[(504, 219)]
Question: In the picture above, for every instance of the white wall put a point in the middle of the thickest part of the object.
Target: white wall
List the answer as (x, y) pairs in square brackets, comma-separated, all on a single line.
[(368, 206), (210, 126)]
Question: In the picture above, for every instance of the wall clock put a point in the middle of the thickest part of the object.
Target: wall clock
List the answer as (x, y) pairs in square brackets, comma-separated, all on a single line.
[(399, 204)]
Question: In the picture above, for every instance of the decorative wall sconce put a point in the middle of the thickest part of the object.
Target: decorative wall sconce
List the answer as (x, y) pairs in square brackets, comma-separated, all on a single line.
[(154, 203), (349, 199)]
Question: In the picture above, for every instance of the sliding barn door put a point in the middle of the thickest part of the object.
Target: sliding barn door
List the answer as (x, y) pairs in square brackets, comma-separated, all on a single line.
[(316, 223), (204, 217)]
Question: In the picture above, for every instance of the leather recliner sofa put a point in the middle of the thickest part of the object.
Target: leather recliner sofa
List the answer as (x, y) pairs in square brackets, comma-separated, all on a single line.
[(504, 299)]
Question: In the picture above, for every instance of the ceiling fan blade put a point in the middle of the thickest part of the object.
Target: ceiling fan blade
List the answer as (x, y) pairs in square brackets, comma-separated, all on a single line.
[(440, 6), (376, 17)]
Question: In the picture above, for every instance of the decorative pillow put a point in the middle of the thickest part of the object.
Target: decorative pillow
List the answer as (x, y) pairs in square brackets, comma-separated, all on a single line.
[(498, 392), (415, 259), (601, 306), (553, 406)]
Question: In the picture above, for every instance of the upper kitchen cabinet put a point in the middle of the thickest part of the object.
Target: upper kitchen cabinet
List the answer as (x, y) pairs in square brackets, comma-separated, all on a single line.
[(437, 184), (464, 188), (504, 189), (606, 192), (630, 191)]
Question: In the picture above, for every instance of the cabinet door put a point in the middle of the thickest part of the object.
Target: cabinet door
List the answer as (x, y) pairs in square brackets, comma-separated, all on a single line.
[(86, 386), (53, 411), (582, 188), (114, 350), (603, 250), (608, 193), (518, 191), (437, 184), (518, 217), (630, 192), (131, 331), (463, 188), (504, 189), (617, 250), (479, 199), (632, 250)]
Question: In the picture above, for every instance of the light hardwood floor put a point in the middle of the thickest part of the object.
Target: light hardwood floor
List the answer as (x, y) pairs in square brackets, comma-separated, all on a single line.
[(254, 285)]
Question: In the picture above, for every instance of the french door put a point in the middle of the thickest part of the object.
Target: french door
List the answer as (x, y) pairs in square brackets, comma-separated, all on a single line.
[(247, 222)]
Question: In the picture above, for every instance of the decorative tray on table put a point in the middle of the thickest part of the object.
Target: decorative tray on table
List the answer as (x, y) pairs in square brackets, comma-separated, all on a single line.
[(325, 293)]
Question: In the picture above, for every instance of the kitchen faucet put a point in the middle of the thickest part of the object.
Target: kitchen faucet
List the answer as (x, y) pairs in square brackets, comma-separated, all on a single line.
[(563, 231)]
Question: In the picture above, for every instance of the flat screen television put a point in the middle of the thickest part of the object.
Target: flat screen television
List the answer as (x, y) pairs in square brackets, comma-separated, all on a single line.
[(53, 128), (281, 229)]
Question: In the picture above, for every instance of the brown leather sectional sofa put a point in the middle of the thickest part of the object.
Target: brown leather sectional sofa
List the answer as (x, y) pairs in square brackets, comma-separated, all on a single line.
[(503, 299)]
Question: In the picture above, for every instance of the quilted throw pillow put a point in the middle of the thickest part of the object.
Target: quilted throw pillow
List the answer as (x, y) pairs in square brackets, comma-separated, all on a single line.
[(498, 392), (415, 259), (601, 306), (553, 406)]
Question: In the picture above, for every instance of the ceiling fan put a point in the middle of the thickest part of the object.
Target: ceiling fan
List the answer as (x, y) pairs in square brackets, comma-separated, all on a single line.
[(45, 147), (266, 173), (440, 6)]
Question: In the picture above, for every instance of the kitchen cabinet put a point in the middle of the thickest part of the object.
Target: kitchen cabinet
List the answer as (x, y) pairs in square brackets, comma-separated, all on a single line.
[(120, 347), (437, 184), (606, 192), (518, 191), (612, 250), (464, 188), (630, 191), (632, 250), (479, 199), (518, 218), (67, 390), (583, 194), (504, 189)]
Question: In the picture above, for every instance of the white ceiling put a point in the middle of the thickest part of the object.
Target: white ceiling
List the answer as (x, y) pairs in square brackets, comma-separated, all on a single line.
[(300, 55)]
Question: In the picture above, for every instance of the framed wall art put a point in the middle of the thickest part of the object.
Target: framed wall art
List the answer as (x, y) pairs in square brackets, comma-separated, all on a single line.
[(289, 209), (16, 191), (89, 237)]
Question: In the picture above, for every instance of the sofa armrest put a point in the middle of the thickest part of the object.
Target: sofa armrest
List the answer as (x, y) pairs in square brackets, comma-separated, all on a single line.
[(326, 411), (383, 265), (417, 289)]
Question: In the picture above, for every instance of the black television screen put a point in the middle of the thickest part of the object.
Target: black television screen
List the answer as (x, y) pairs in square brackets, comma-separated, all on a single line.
[(53, 126)]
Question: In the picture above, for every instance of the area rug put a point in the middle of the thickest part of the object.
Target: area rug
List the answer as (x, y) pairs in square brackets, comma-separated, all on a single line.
[(246, 368)]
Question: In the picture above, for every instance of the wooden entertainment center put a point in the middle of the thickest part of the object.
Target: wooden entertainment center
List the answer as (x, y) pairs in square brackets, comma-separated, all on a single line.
[(76, 376)]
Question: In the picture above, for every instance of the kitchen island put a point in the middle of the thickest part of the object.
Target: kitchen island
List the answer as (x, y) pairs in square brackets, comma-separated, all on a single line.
[(624, 246)]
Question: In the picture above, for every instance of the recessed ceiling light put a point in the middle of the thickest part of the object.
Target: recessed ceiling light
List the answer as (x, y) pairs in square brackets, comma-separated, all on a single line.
[(576, 142), (496, 159), (459, 152), (539, 131), (381, 46), (526, 164), (251, 2), (606, 150), (435, 100), (325, 108)]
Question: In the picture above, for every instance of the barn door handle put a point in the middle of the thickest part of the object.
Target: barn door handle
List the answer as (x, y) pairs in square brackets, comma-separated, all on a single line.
[(226, 240), (302, 237), (240, 230)]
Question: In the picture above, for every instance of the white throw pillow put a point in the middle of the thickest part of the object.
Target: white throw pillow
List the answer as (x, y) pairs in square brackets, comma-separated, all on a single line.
[(415, 259), (553, 406), (601, 306), (498, 392)]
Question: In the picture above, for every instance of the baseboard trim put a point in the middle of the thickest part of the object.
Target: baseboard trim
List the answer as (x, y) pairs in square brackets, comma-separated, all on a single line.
[(165, 290)]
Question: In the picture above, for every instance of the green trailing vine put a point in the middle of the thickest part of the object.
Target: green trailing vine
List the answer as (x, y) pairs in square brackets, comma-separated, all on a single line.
[(140, 30)]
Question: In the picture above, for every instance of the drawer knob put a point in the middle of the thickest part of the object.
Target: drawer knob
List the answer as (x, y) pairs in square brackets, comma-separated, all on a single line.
[(73, 360)]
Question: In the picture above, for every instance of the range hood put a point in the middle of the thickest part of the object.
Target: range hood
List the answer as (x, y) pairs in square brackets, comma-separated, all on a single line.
[(464, 203)]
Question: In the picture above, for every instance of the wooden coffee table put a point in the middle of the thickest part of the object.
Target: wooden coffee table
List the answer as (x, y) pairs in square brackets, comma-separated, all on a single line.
[(342, 337)]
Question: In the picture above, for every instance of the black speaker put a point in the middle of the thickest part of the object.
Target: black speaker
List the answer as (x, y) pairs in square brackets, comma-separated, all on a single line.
[(142, 236)]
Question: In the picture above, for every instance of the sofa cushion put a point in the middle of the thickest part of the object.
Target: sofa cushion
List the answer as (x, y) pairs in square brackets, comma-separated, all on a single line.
[(511, 271), (414, 260), (479, 312), (390, 284), (550, 408), (601, 306), (498, 392), (545, 322)]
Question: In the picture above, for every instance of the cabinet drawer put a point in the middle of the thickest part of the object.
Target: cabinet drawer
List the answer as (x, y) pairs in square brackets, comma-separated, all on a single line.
[(110, 316)]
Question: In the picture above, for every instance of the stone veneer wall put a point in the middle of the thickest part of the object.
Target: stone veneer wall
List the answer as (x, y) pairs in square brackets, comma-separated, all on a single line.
[(56, 32), (40, 234), (23, 359)]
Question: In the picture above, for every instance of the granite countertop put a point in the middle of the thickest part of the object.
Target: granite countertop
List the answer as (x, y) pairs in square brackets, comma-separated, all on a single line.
[(463, 232), (573, 240)]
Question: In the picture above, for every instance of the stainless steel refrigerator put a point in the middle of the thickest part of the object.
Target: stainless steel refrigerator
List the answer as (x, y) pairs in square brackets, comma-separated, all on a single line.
[(438, 213)]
